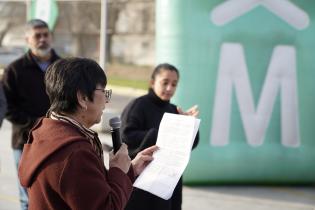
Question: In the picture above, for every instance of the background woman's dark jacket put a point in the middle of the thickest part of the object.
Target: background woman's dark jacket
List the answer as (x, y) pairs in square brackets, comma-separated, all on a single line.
[(140, 123)]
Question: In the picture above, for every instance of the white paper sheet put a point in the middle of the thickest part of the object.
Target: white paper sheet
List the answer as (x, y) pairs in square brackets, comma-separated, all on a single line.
[(175, 139)]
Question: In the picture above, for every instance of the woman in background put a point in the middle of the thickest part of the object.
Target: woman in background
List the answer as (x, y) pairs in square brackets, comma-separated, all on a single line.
[(140, 123)]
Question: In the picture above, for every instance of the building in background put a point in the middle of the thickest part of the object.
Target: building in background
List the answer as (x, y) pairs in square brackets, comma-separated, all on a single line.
[(130, 29)]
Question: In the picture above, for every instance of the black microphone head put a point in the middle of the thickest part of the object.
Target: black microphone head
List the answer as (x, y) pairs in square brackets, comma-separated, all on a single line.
[(114, 122)]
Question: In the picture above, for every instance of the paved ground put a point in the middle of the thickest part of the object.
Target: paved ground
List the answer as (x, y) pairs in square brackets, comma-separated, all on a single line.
[(194, 198)]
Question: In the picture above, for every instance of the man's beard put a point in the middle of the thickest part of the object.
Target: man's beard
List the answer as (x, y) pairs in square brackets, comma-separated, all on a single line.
[(42, 52)]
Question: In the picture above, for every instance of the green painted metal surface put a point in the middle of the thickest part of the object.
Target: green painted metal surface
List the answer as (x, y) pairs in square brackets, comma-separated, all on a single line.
[(46, 10)]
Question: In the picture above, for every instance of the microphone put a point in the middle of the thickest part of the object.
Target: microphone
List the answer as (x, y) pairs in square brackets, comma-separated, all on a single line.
[(114, 124)]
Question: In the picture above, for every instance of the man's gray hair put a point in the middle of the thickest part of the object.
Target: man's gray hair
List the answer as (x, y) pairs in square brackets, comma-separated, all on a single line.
[(35, 23)]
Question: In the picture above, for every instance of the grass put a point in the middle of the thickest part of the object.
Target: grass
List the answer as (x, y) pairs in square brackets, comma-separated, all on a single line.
[(128, 75), (123, 82)]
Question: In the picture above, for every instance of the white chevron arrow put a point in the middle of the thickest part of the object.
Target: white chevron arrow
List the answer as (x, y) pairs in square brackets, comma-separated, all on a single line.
[(286, 10)]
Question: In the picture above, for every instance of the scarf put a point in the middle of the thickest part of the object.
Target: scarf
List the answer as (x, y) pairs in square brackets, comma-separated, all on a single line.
[(88, 133)]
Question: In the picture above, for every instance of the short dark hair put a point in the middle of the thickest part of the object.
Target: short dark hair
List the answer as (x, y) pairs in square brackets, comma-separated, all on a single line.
[(35, 23), (66, 77), (163, 66)]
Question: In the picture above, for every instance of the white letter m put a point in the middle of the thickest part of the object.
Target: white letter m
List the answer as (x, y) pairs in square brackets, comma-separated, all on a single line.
[(281, 75)]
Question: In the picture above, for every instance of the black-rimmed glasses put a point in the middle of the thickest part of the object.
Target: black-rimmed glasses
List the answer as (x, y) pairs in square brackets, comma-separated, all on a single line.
[(107, 93)]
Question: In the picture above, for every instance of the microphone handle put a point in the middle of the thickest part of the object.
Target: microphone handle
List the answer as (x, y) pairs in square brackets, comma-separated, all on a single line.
[(116, 139)]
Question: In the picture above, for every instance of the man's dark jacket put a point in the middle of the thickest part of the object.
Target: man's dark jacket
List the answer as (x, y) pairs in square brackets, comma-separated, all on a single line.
[(24, 88)]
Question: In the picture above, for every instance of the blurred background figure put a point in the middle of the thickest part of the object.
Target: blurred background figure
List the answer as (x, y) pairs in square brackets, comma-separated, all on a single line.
[(23, 84), (3, 104), (140, 123)]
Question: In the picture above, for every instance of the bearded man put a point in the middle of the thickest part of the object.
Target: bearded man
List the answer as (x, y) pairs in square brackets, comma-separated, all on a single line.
[(23, 85)]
